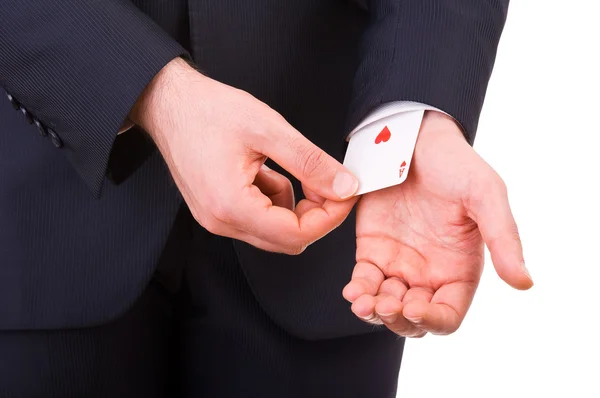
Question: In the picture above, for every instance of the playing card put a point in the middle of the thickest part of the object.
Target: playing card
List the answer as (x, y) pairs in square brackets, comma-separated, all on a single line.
[(380, 153)]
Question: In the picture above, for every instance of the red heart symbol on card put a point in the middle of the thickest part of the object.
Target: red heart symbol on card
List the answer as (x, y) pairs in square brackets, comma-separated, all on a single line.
[(384, 136), (403, 164)]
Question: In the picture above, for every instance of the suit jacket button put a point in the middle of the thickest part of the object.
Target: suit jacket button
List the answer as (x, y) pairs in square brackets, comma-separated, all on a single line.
[(55, 139), (27, 115), (15, 104), (40, 128)]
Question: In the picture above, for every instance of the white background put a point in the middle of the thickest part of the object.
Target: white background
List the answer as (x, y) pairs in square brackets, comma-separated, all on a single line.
[(540, 129)]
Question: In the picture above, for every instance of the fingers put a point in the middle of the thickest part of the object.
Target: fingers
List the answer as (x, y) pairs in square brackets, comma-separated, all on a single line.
[(276, 187), (284, 229), (409, 312), (306, 205), (271, 221), (366, 279), (386, 309), (416, 311), (361, 291), (378, 301), (443, 312), (312, 201), (389, 309), (312, 195), (488, 206), (364, 308), (317, 170), (263, 215)]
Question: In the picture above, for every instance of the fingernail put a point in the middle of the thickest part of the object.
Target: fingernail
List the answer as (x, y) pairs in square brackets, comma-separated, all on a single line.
[(389, 318), (265, 167), (526, 271), (344, 185), (369, 318), (415, 320), (390, 314)]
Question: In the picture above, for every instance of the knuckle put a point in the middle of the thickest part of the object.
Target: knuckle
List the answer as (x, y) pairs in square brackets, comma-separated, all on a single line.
[(312, 161), (295, 244), (261, 121), (204, 215), (213, 226), (486, 185), (500, 184), (223, 212), (490, 181)]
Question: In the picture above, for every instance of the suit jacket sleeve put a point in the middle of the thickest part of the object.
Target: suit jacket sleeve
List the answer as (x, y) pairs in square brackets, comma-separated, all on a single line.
[(436, 52), (78, 67)]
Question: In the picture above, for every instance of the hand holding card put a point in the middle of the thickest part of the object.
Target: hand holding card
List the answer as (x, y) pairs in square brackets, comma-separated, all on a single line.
[(419, 246)]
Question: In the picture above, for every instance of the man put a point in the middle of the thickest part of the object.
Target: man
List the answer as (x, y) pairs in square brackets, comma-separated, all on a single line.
[(124, 274)]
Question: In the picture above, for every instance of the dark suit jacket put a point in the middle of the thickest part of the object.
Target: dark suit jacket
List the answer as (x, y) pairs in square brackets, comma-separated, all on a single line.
[(84, 215)]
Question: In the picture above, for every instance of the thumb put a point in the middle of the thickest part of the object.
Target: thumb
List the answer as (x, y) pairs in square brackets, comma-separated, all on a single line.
[(317, 170), (488, 206)]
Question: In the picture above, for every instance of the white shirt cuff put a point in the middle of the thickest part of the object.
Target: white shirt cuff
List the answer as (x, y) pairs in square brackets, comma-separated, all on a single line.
[(390, 109)]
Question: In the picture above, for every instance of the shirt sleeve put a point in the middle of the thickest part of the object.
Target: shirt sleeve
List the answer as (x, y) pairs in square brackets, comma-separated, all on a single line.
[(395, 109)]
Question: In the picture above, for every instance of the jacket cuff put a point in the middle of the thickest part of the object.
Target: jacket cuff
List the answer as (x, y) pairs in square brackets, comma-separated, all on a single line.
[(439, 53), (78, 68)]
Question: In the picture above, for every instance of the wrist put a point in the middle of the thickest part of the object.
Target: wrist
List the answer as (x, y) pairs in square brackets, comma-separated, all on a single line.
[(440, 119), (155, 107), (435, 122), (438, 130)]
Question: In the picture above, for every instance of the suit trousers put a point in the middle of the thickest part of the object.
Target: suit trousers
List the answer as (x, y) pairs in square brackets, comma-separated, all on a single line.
[(196, 331)]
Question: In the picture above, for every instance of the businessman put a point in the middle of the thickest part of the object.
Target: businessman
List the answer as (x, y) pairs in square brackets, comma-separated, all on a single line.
[(146, 248)]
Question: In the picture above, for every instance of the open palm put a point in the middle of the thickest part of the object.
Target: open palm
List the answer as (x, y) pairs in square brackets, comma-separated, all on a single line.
[(420, 245)]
